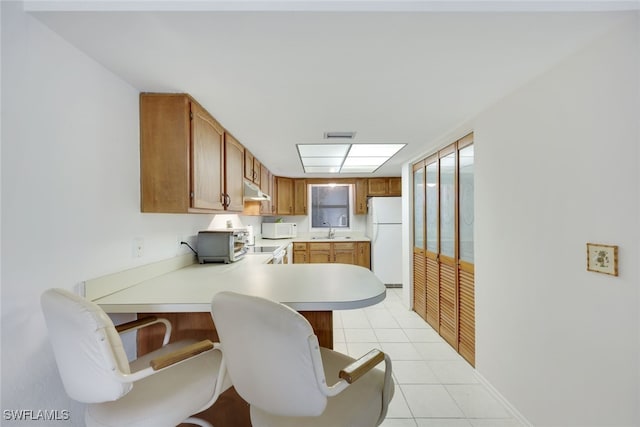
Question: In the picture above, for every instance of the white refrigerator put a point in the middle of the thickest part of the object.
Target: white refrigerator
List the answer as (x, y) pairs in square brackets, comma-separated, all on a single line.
[(384, 228)]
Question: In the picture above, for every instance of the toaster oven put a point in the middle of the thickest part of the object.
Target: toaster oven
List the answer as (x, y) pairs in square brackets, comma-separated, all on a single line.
[(221, 245)]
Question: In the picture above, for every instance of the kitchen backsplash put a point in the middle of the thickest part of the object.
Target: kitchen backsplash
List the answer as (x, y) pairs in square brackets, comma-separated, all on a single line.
[(359, 222)]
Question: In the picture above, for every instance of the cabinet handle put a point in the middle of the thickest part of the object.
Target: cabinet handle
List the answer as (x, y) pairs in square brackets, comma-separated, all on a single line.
[(228, 199)]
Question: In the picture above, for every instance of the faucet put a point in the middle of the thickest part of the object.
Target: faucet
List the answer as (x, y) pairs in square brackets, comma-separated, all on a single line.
[(332, 232)]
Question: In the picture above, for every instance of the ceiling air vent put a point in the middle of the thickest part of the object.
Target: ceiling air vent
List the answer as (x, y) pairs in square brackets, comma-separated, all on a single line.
[(339, 135)]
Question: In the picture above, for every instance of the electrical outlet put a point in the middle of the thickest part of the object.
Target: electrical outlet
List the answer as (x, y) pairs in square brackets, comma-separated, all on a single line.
[(138, 247)]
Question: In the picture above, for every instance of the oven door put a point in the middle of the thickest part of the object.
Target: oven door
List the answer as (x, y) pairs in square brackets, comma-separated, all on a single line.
[(278, 257)]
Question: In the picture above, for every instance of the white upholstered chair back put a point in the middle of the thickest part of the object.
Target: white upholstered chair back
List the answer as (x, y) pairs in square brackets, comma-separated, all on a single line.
[(269, 350), (87, 348)]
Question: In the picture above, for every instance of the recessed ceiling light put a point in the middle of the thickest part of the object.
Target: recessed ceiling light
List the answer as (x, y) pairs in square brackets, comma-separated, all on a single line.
[(368, 150), (323, 150), (345, 158)]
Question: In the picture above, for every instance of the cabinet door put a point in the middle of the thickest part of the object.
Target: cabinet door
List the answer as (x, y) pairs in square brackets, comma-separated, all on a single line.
[(360, 207), (284, 196), (300, 255), (344, 253), (363, 254), (320, 253), (256, 171), (466, 270), (248, 165), (234, 169), (300, 197), (395, 186), (419, 261), (207, 171), (377, 186), (431, 265), (165, 153), (266, 185), (447, 235)]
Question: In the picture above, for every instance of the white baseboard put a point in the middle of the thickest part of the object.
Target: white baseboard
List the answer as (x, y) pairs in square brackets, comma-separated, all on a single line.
[(512, 409)]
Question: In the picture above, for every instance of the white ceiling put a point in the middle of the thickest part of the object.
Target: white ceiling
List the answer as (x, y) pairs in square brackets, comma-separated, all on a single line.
[(277, 74)]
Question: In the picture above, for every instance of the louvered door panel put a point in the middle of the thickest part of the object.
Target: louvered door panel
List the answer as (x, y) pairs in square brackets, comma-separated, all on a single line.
[(419, 283), (433, 292), (448, 317), (466, 320)]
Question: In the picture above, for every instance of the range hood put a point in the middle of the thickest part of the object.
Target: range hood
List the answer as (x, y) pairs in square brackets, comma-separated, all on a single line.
[(252, 192)]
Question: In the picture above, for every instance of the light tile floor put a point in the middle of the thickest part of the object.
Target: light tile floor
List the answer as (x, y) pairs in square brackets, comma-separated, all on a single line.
[(434, 385)]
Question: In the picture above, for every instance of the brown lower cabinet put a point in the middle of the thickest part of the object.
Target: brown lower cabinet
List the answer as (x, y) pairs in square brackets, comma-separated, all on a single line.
[(356, 253)]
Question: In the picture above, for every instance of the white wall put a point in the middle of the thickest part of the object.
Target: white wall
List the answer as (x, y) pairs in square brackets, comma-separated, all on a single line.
[(557, 167), (70, 196)]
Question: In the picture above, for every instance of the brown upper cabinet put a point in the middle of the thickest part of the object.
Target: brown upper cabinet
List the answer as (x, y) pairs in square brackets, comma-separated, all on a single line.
[(252, 168), (360, 206), (290, 196), (300, 197), (283, 193), (234, 166), (266, 185), (389, 186), (188, 164), (181, 156)]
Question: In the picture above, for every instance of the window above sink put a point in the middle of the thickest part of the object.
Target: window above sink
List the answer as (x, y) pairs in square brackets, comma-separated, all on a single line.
[(330, 208)]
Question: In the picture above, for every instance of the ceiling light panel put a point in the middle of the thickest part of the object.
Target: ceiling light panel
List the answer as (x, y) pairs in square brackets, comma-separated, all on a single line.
[(345, 158), (323, 150), (381, 150), (321, 169), (358, 169), (322, 161), (364, 161)]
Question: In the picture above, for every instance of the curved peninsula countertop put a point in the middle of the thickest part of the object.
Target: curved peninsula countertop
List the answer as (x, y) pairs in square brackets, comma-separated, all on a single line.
[(303, 287), (181, 292)]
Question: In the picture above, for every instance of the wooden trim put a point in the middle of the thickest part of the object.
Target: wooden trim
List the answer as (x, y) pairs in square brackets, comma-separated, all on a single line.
[(450, 302), (123, 327), (180, 355), (467, 266), (361, 366), (424, 198), (447, 150), (465, 141)]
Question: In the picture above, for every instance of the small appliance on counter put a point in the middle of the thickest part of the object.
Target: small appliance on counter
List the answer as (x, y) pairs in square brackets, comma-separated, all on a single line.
[(279, 230), (221, 245)]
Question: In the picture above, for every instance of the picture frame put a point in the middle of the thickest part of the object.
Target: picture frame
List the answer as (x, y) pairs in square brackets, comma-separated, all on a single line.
[(602, 258)]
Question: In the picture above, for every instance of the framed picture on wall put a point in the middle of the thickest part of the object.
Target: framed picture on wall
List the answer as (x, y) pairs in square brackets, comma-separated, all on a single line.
[(602, 258)]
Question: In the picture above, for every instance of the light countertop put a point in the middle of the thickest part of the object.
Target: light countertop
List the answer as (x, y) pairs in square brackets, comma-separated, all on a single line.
[(312, 238), (303, 287)]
